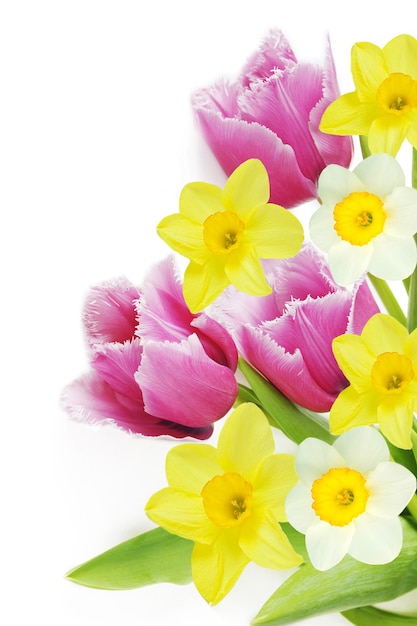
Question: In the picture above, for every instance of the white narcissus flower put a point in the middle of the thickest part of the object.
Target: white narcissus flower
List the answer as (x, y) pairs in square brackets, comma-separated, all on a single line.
[(348, 499), (367, 220)]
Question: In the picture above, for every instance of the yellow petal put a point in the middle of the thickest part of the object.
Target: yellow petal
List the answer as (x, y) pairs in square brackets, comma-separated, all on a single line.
[(244, 441), (190, 466), (396, 418), (401, 55), (199, 200), (275, 478), (383, 333), (216, 567), (352, 409), (387, 133), (244, 270), (369, 70), (264, 541), (355, 359), (181, 514), (275, 232), (246, 188), (184, 236), (203, 283), (348, 116)]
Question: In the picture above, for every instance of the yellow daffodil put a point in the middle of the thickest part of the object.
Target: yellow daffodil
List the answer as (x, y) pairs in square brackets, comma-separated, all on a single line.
[(381, 366), (225, 232), (384, 105), (229, 501)]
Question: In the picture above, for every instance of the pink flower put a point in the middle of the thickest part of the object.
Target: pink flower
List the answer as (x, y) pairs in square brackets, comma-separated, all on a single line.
[(156, 369), (287, 336), (272, 113)]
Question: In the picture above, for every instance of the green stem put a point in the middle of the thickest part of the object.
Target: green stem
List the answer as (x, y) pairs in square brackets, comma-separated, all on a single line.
[(412, 507), (414, 443), (388, 298), (363, 140)]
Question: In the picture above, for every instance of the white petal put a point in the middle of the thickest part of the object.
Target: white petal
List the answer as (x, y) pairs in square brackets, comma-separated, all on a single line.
[(376, 540), (380, 174), (314, 458), (401, 210), (347, 262), (327, 545), (393, 258), (322, 230), (362, 448), (335, 183), (391, 487), (298, 509)]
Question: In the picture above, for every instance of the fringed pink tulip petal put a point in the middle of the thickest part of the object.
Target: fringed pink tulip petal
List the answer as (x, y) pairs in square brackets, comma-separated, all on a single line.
[(233, 141), (92, 400), (275, 53), (216, 341), (117, 365), (179, 380), (286, 371), (110, 312)]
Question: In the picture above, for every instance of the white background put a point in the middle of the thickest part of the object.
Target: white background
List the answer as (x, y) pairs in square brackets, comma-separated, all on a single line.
[(97, 138)]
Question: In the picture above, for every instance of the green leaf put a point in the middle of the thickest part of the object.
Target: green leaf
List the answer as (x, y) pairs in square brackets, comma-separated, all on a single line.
[(349, 585), (296, 423), (371, 616), (153, 557)]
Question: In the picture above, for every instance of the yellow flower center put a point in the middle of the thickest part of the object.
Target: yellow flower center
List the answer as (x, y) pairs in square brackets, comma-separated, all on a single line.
[(227, 499), (339, 496), (359, 217), (223, 231), (391, 372), (397, 94)]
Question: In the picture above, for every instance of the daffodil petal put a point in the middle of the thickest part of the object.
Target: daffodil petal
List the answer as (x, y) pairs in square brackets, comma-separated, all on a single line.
[(184, 236), (352, 409), (327, 545), (369, 69), (386, 134), (355, 359), (400, 54), (396, 419), (189, 466), (263, 541), (246, 188), (274, 232), (363, 449), (244, 441), (380, 174), (199, 200), (348, 116), (203, 283), (298, 507), (393, 258), (376, 540), (335, 183), (216, 567), (321, 227), (274, 479), (383, 333), (401, 209), (314, 458), (391, 487), (348, 263), (244, 270), (181, 514)]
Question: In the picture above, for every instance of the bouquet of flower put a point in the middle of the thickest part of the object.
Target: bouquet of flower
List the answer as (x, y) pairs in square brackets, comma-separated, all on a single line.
[(270, 328)]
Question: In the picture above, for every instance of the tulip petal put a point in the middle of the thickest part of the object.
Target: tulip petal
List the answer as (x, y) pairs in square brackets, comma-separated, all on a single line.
[(376, 540), (117, 365), (110, 313), (178, 379), (216, 341)]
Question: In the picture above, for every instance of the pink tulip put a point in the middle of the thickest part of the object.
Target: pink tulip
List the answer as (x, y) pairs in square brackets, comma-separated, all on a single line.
[(156, 369), (272, 113), (287, 336)]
